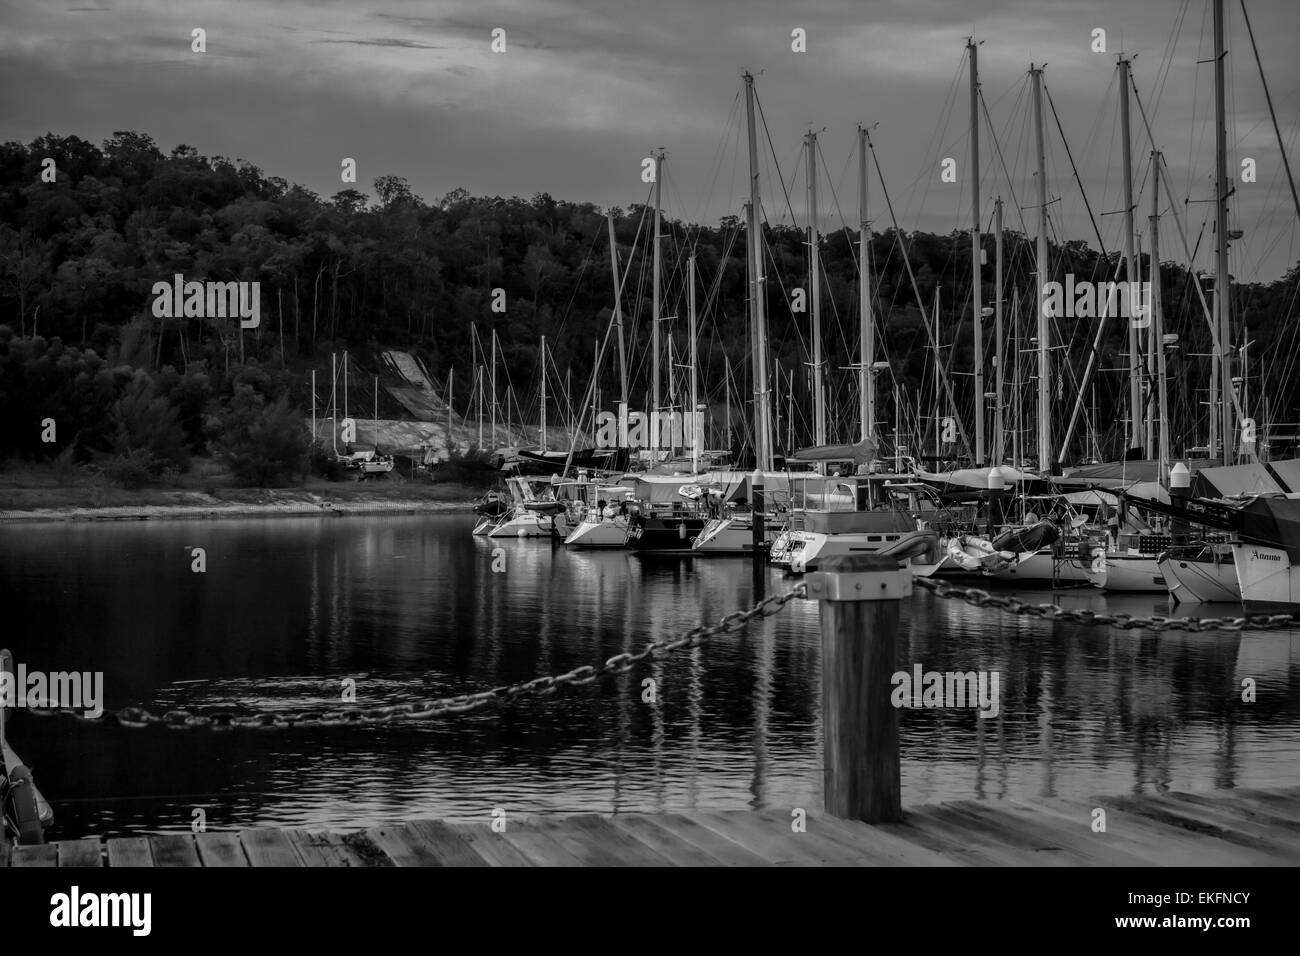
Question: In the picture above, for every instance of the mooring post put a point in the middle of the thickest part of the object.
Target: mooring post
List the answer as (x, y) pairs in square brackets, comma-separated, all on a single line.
[(859, 596)]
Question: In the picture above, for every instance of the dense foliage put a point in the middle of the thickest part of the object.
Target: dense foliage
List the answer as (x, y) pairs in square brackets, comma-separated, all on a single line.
[(79, 257)]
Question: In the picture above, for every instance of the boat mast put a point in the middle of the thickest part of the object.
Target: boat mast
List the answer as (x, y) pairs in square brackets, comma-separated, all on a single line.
[(1044, 324), (999, 441), (494, 389), (937, 359), (758, 322), (867, 325), (727, 394), (654, 322), (1017, 452), (976, 291), (1157, 321), (618, 318), (1222, 280), (692, 419), (814, 271), (541, 432), (1136, 437)]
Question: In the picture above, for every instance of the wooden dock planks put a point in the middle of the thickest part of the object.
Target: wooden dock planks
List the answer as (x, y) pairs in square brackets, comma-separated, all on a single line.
[(1216, 828)]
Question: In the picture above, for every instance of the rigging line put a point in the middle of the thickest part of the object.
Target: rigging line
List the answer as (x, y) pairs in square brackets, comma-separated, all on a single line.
[(1082, 192), (1273, 115), (898, 237), (715, 164), (772, 148), (988, 121)]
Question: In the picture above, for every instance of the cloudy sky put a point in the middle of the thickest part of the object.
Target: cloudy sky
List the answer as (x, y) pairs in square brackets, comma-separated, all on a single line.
[(586, 88)]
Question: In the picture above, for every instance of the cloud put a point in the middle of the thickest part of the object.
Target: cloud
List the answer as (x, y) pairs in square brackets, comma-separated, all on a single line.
[(387, 41)]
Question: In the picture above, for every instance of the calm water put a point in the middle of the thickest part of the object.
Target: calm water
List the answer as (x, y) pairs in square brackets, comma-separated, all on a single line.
[(410, 608)]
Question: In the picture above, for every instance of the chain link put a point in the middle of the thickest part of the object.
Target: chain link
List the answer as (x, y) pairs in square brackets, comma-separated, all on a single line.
[(179, 719), (1127, 622)]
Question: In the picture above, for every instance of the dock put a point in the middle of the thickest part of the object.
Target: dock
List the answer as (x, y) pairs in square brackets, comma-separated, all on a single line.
[(1215, 828)]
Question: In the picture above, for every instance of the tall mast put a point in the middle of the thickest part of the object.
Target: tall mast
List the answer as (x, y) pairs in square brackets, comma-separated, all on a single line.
[(1157, 321), (975, 249), (541, 433), (999, 442), (1135, 429), (692, 419), (758, 321), (938, 358), (618, 315), (727, 395), (1044, 324), (494, 389), (815, 283), (867, 326), (654, 326), (1017, 452), (1222, 281)]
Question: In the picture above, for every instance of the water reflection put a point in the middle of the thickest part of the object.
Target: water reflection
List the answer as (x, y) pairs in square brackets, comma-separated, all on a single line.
[(408, 608)]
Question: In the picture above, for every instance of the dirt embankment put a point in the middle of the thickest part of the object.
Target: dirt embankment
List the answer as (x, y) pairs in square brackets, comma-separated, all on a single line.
[(28, 500)]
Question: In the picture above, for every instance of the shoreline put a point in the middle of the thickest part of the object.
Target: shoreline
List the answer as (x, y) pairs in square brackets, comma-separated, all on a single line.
[(267, 504)]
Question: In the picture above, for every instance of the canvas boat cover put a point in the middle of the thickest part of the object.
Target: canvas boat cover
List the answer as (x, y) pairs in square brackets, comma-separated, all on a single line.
[(1273, 522)]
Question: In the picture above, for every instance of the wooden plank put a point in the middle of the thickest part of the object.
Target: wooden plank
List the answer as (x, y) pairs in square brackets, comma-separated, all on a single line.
[(1270, 804), (490, 846), (997, 842), (1237, 831), (447, 843), (80, 853), (1163, 845), (44, 854), (669, 846), (173, 849), (361, 845), (1076, 839), (881, 847), (723, 849), (775, 843), (1261, 814), (404, 845), (322, 849), (267, 847), (601, 832), (587, 847), (220, 848), (832, 847), (130, 851), (540, 848)]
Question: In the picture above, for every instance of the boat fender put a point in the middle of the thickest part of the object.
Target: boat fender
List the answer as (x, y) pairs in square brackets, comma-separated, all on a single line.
[(681, 530), (22, 798)]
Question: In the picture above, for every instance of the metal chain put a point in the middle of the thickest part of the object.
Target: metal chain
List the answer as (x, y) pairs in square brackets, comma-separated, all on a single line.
[(1127, 622), (180, 719)]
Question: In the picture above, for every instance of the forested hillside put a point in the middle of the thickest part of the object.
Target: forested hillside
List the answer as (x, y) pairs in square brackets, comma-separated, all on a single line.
[(80, 344)]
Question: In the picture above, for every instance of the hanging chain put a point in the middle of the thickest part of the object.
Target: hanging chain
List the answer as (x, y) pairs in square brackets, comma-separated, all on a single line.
[(1127, 622), (181, 719)]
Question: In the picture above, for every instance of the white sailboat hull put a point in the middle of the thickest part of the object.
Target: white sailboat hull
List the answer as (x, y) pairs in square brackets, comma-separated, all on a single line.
[(529, 524), (1127, 572), (1269, 581), (1201, 581), (1044, 569), (602, 533), (808, 547)]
